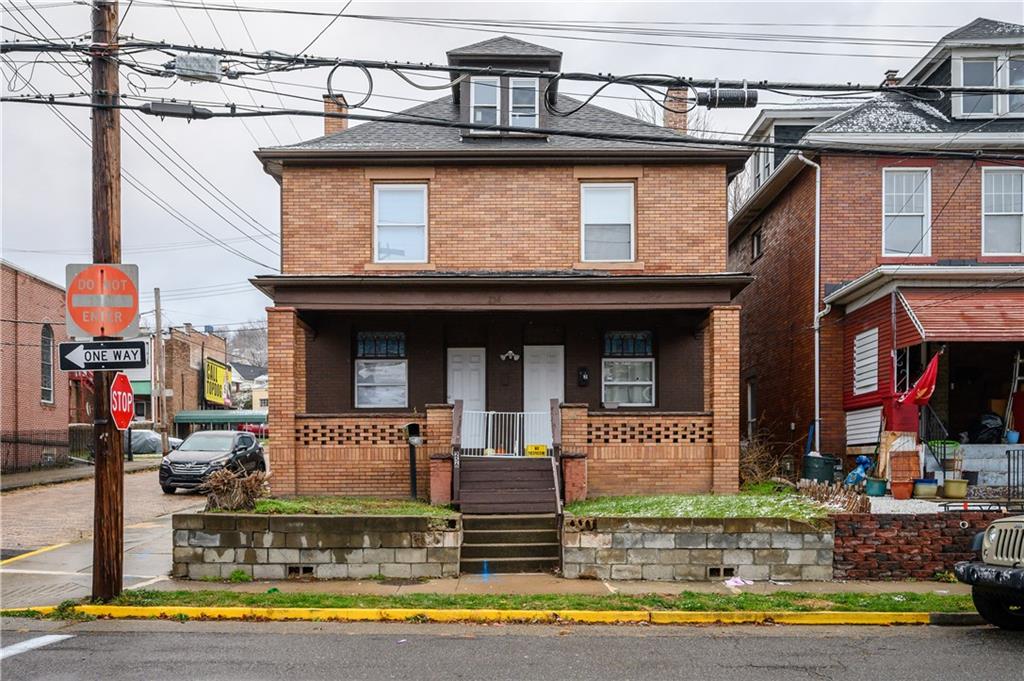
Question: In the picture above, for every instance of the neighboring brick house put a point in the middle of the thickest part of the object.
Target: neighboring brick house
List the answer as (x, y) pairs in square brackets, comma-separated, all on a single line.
[(186, 350), (34, 398), (914, 253), (464, 279)]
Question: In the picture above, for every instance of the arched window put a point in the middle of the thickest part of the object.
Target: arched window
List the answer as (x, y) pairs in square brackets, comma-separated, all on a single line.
[(46, 364)]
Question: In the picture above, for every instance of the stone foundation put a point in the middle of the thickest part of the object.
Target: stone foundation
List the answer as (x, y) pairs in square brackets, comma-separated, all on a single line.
[(696, 549), (320, 546)]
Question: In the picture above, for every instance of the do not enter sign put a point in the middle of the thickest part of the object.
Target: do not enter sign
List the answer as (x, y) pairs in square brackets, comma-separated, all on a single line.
[(122, 401), (102, 301)]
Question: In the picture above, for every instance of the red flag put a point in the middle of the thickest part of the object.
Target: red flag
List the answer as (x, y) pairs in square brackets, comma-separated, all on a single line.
[(922, 391)]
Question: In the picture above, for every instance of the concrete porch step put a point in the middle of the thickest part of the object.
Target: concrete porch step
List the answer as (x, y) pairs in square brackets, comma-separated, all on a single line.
[(524, 521), (508, 565), (527, 536), (546, 550)]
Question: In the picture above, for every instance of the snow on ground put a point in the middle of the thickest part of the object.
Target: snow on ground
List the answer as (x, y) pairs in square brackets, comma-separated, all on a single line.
[(890, 505)]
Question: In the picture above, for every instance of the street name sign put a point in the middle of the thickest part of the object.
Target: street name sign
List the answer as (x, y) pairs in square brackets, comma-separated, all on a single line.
[(122, 401), (103, 356), (102, 299)]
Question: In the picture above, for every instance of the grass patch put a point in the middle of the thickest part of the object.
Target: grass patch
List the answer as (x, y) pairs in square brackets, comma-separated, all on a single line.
[(350, 506), (790, 601), (755, 503)]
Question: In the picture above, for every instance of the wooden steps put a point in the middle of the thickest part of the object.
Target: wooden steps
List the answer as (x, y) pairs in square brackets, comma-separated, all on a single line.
[(505, 485), (510, 543)]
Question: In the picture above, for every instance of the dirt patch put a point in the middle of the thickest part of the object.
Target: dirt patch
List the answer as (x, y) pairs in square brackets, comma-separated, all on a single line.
[(814, 603)]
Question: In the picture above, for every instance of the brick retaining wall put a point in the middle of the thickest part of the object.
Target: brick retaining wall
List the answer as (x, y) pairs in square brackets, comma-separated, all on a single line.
[(322, 546), (696, 549), (903, 546)]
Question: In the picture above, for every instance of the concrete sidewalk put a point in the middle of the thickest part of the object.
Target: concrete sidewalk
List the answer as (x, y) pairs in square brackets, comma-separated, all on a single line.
[(51, 476)]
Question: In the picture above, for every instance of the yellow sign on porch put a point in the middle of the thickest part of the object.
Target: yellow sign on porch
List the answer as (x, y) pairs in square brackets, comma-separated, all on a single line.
[(536, 450)]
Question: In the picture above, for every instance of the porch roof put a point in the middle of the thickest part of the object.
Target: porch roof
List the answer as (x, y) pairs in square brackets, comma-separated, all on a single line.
[(965, 315), (512, 291)]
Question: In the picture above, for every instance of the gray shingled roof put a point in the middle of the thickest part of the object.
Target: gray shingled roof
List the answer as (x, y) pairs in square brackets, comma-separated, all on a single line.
[(982, 29), (504, 46), (385, 136), (896, 113)]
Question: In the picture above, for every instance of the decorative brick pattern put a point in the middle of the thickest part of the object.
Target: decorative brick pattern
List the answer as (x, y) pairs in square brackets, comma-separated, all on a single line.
[(661, 429), (354, 430)]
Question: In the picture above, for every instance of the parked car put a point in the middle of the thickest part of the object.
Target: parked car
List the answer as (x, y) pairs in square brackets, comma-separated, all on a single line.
[(149, 442), (207, 451), (997, 579), (260, 430)]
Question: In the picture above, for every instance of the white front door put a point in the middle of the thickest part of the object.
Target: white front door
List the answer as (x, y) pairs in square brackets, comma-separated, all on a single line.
[(543, 381), (467, 377)]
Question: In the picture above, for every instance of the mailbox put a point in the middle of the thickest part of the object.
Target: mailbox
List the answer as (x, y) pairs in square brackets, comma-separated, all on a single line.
[(412, 433)]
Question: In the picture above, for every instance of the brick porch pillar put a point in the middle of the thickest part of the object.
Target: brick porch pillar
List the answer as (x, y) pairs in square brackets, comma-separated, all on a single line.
[(439, 444), (722, 385), (574, 451), (286, 371)]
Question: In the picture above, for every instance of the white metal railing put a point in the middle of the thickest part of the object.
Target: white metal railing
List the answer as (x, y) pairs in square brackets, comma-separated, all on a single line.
[(504, 432)]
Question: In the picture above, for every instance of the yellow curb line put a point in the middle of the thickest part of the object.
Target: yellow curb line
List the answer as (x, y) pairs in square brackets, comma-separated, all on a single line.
[(492, 615), (32, 553)]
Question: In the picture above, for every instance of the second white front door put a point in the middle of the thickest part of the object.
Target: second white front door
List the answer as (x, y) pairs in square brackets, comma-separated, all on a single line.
[(543, 381), (467, 377)]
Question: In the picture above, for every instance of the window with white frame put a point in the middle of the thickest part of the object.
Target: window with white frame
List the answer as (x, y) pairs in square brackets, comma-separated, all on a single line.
[(627, 369), (1015, 78), (988, 70), (756, 244), (381, 370), (607, 222), (1003, 211), (865, 362), (979, 73), (46, 364), (484, 100), (523, 102), (751, 408), (400, 223), (906, 212)]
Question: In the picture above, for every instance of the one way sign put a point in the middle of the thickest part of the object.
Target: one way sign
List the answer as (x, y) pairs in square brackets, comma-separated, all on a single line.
[(103, 356)]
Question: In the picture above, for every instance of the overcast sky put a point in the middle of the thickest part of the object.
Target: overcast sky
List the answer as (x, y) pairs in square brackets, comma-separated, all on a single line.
[(46, 168)]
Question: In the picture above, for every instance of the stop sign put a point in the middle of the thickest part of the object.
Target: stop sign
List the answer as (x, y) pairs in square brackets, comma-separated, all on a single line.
[(122, 401)]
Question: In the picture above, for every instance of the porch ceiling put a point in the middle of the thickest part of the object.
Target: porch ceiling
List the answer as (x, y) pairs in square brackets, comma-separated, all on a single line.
[(528, 291)]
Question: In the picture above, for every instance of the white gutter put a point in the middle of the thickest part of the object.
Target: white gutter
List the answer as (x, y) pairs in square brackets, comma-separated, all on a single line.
[(818, 311)]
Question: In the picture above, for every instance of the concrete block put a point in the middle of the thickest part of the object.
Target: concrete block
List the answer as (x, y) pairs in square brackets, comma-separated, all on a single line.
[(179, 570), (596, 540), (824, 540), (738, 525), (218, 555), (396, 540), (230, 538), (282, 555), (757, 573), (706, 556), (802, 557), (610, 556), (662, 573), (188, 521), (301, 540), (723, 541), (316, 556), (769, 556), (253, 523), (363, 570), (251, 556), (348, 556), (627, 572), (641, 556), (181, 537), (627, 540), (738, 557), (426, 569), (657, 540), (786, 572), (410, 555), (442, 555), (825, 557), (266, 540), (596, 571), (755, 540), (707, 525), (571, 555), (398, 570), (674, 556), (817, 573), (187, 554), (331, 571), (201, 538), (449, 570), (269, 571), (379, 555), (570, 570), (690, 573), (787, 541), (228, 569), (220, 521), (370, 540), (452, 539), (201, 570), (570, 539)]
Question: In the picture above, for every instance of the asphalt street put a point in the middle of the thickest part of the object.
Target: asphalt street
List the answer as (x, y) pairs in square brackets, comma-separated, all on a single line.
[(253, 651)]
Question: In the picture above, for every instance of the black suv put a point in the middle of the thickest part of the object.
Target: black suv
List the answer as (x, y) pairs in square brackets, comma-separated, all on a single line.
[(204, 452)]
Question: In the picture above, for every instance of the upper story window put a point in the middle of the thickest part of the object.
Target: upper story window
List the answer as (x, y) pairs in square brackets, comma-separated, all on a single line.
[(757, 244), (988, 70), (906, 219), (46, 364), (1002, 211), (523, 107), (400, 223), (607, 222), (485, 100)]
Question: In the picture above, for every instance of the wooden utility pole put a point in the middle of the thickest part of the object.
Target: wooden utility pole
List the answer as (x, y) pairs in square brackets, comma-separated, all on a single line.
[(108, 514), (161, 374)]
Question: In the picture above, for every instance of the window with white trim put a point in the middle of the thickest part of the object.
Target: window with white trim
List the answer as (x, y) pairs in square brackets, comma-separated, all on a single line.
[(484, 100), (400, 223), (751, 409), (979, 73), (627, 369), (523, 102), (865, 362), (46, 364), (381, 370), (1002, 211), (906, 212), (607, 222), (988, 69)]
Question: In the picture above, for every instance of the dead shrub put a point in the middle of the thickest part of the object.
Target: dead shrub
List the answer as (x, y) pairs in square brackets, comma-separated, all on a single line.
[(837, 497), (762, 460), (229, 491)]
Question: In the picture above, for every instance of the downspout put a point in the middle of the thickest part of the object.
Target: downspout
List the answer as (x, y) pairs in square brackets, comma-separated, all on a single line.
[(819, 312)]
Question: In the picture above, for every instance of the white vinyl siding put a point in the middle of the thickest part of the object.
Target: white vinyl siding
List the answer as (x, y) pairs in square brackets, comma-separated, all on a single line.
[(906, 211), (865, 362), (627, 382), (485, 101), (1003, 212), (382, 383), (607, 216), (400, 223), (523, 102), (863, 426)]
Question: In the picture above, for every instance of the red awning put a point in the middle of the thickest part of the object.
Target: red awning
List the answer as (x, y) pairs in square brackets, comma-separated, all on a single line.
[(967, 314)]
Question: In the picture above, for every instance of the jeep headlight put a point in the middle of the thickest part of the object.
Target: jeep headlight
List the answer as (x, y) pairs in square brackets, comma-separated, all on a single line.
[(991, 535)]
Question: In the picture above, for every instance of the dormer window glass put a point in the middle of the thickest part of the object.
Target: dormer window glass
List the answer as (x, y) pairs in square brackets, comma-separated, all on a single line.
[(997, 69), (523, 103), (979, 73), (485, 100), (1015, 71)]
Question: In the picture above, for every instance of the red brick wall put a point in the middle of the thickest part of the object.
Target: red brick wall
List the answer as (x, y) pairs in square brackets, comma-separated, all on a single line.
[(29, 426), (904, 546), (502, 217)]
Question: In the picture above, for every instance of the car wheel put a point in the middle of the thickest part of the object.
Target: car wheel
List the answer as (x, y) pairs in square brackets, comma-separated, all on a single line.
[(168, 490), (997, 611), (261, 465)]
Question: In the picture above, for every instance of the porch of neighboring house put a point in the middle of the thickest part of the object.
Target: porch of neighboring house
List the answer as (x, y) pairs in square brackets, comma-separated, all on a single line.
[(631, 394)]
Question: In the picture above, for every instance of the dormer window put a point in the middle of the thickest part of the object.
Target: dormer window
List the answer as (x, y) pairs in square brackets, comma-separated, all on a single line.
[(979, 73), (485, 95), (524, 102), (988, 69)]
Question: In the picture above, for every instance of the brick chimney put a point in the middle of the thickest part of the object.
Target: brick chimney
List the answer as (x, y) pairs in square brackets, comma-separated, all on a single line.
[(675, 99), (892, 78), (332, 124)]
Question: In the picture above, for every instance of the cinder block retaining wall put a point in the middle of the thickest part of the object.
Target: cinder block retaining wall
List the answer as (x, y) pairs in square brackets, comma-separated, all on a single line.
[(326, 547), (685, 549), (903, 546)]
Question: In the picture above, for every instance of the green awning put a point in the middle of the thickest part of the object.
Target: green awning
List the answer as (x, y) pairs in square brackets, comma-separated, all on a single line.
[(142, 387), (221, 416)]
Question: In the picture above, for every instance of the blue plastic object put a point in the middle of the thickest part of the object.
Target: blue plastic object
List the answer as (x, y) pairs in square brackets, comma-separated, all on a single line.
[(860, 473)]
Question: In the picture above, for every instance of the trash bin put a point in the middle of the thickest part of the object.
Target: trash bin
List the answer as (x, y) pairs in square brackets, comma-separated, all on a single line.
[(820, 468)]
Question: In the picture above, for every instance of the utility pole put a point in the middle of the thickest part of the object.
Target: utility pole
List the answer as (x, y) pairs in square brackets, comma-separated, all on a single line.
[(108, 515), (161, 375)]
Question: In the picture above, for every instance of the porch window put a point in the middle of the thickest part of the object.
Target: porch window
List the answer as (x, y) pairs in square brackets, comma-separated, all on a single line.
[(1003, 206), (627, 369), (523, 107), (607, 212), (906, 212), (485, 100), (400, 227), (381, 371), (865, 362)]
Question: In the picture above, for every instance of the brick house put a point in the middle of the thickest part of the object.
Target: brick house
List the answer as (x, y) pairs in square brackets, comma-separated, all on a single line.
[(187, 350), (871, 263), (502, 289), (34, 402)]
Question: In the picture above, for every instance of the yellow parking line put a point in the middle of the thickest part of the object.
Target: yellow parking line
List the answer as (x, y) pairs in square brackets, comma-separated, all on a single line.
[(32, 553)]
